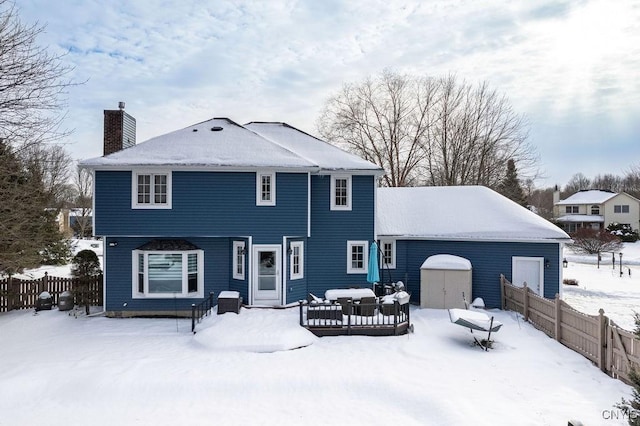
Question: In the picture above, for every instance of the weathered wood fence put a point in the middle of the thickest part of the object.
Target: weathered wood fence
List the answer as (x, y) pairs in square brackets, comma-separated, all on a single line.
[(614, 350), (22, 294)]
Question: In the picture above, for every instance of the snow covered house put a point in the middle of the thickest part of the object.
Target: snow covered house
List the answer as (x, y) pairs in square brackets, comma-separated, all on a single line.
[(274, 213), (263, 209), (492, 232), (596, 209)]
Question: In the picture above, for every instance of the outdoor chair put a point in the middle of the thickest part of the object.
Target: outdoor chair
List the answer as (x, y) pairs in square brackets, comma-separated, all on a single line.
[(346, 303), (366, 307)]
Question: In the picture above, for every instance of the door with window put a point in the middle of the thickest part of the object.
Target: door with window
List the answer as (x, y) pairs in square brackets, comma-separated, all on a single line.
[(528, 270), (267, 277)]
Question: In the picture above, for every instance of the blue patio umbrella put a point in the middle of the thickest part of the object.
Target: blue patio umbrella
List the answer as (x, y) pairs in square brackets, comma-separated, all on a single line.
[(373, 273)]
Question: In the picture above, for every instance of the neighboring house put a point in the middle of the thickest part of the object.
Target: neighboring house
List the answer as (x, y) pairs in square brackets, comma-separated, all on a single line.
[(263, 209), (596, 209), (495, 234), (72, 221)]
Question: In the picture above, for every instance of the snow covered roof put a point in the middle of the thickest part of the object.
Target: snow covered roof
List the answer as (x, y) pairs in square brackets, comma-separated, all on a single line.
[(591, 196), (222, 143), (581, 218), (447, 261), (318, 152), (459, 213)]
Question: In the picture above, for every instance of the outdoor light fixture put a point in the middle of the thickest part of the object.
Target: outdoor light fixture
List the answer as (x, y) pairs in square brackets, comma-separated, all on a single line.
[(547, 263), (565, 263)]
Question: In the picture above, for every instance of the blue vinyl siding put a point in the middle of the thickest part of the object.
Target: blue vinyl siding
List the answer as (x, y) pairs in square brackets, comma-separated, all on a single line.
[(119, 275), (241, 286), (206, 204), (488, 260), (326, 256), (296, 289)]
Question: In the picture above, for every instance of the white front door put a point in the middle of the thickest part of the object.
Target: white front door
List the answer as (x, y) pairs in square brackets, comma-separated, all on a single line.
[(528, 270), (267, 277)]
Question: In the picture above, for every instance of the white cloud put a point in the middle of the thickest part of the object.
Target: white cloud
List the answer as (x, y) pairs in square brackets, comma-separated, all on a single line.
[(567, 65)]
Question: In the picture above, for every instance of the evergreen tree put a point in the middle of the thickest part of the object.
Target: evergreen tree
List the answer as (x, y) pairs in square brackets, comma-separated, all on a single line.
[(27, 226), (510, 186), (84, 266)]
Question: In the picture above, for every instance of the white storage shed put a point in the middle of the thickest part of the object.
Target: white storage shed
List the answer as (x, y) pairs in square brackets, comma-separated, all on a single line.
[(443, 280)]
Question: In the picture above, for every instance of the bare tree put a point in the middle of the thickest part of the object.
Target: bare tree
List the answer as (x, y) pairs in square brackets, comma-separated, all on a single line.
[(384, 120), (83, 182), (32, 83), (32, 89), (607, 182), (540, 199), (423, 130), (631, 181), (49, 164), (578, 182)]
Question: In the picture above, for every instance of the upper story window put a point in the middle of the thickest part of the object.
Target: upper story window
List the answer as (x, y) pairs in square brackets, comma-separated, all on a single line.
[(357, 257), (388, 254), (296, 260), (624, 208), (595, 209), (266, 189), (340, 192), (572, 209), (238, 260), (151, 190), (163, 274)]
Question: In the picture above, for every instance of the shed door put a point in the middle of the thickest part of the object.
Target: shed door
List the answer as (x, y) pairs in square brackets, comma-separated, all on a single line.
[(528, 270)]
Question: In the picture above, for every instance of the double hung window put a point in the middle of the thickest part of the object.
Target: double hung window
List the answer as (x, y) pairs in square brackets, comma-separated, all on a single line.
[(357, 257), (266, 189), (296, 260), (151, 190), (238, 260), (388, 254), (340, 192)]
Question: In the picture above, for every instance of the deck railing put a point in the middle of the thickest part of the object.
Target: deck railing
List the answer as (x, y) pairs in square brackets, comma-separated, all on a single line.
[(201, 310), (354, 318)]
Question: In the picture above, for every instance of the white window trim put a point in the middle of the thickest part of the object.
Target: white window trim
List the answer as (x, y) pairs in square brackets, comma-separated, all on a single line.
[(391, 265), (259, 200), (300, 246), (185, 275), (151, 205), (365, 258), (333, 192), (238, 245)]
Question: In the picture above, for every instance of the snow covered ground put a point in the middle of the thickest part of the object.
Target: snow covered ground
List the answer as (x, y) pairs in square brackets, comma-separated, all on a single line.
[(260, 367), (604, 287)]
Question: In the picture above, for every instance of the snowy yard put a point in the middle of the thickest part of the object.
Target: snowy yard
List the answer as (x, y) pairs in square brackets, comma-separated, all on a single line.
[(238, 369)]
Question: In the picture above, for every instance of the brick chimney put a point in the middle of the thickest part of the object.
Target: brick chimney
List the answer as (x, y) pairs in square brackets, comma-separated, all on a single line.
[(119, 130)]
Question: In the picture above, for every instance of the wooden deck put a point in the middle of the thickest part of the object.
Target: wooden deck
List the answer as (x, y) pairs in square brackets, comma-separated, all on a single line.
[(355, 319)]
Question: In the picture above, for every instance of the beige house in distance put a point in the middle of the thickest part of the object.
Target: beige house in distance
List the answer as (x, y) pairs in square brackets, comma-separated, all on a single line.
[(595, 209)]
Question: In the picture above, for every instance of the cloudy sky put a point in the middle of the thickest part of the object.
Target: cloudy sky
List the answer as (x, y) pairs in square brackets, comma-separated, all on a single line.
[(572, 67)]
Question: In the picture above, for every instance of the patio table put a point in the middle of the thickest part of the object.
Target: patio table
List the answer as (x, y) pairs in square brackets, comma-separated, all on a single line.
[(352, 293)]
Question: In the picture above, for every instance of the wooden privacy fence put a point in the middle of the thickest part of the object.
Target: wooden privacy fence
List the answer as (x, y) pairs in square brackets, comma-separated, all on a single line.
[(614, 350), (22, 294)]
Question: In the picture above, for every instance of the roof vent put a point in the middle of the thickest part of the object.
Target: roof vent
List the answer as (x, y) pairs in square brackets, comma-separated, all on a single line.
[(195, 130), (216, 128), (121, 105)]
